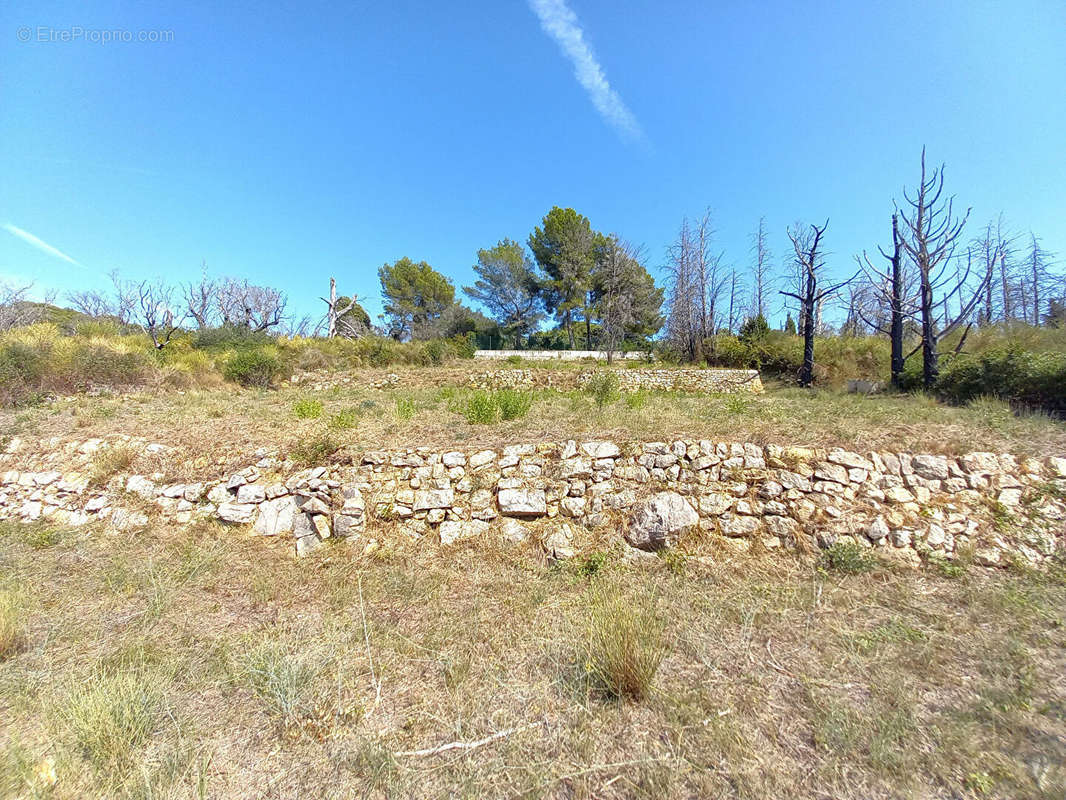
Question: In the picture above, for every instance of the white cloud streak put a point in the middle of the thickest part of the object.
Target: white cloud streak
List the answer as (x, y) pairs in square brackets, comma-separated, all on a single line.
[(561, 24), (40, 244)]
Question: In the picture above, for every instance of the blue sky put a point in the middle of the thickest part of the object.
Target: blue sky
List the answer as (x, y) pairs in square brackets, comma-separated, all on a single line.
[(287, 143)]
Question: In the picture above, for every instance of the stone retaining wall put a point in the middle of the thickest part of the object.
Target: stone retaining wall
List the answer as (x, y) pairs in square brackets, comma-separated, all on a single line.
[(563, 496), (703, 381)]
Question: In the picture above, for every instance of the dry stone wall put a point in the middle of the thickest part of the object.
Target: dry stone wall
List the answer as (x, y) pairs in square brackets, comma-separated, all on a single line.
[(702, 381), (565, 496)]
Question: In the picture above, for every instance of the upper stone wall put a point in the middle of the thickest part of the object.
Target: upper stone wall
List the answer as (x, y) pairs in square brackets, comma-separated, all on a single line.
[(702, 381)]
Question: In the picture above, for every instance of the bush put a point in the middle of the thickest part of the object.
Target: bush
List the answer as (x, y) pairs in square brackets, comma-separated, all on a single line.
[(1033, 379), (480, 408), (307, 408), (625, 643), (252, 368), (603, 386), (513, 404), (344, 419), (848, 557), (314, 450), (405, 408), (486, 408), (229, 337)]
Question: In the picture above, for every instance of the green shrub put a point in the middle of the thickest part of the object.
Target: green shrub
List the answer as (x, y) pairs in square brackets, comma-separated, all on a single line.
[(850, 558), (635, 401), (485, 408), (344, 419), (307, 408), (514, 361), (229, 337), (603, 386), (592, 564), (253, 368), (436, 351), (480, 408), (405, 408), (512, 404), (1033, 379)]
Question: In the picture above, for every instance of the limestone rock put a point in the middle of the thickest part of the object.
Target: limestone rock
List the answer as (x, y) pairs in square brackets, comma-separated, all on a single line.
[(236, 513), (276, 516), (522, 502), (655, 522), (453, 531), (433, 498)]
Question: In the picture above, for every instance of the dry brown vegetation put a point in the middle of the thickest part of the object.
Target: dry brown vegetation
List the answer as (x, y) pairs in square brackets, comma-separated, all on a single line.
[(202, 662), (221, 428)]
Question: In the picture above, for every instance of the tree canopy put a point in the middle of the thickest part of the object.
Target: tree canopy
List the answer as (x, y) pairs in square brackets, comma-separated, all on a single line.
[(415, 296), (563, 246), (508, 287)]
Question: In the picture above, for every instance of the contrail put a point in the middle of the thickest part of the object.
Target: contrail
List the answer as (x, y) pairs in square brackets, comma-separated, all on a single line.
[(560, 23), (40, 244)]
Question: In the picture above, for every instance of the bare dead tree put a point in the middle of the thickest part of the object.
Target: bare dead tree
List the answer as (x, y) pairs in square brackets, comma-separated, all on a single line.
[(125, 301), (245, 305), (683, 319), (893, 289), (91, 303), (333, 314), (807, 245), (735, 287), (199, 298), (1038, 276), (695, 281), (157, 317), (15, 309), (931, 233), (987, 251), (760, 272)]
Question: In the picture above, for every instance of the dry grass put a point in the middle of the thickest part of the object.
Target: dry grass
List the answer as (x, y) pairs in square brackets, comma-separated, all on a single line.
[(10, 624), (260, 676), (215, 430)]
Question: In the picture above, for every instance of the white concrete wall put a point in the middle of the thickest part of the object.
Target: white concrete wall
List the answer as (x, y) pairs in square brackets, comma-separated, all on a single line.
[(559, 355)]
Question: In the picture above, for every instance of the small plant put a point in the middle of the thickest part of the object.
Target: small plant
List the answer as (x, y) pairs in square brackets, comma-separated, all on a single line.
[(480, 408), (1002, 518), (41, 537), (947, 568), (405, 408), (109, 462), (625, 643), (110, 717), (514, 361), (307, 408), (848, 557), (345, 419), (252, 368), (314, 450), (674, 560), (512, 404), (603, 386), (637, 400), (592, 564), (10, 626), (736, 405)]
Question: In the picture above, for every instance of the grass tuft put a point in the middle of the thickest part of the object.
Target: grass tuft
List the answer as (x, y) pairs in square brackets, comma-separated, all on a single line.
[(625, 643), (10, 624), (110, 718)]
